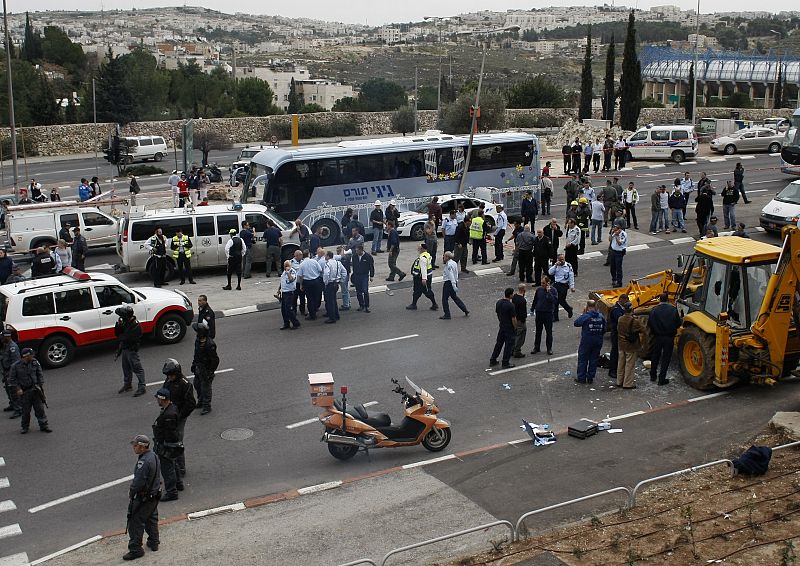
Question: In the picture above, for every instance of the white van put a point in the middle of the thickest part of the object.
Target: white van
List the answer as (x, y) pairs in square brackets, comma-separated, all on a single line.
[(142, 148), (30, 226), (782, 210), (208, 228), (663, 142)]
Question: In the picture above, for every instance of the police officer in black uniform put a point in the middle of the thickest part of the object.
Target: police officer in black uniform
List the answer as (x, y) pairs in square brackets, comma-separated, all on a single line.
[(9, 355), (144, 493), (43, 263), (613, 318), (181, 394), (28, 380), (663, 322), (206, 314), (166, 444), (204, 364), (129, 333)]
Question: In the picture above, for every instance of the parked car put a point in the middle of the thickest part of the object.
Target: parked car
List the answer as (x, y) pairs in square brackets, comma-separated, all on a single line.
[(30, 226), (58, 314), (782, 210), (412, 222), (749, 139)]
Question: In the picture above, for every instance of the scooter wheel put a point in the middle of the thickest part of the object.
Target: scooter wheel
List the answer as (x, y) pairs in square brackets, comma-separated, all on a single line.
[(342, 451), (437, 439)]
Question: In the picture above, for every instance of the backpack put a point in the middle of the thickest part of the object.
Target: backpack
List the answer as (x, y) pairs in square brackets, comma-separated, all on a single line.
[(754, 462)]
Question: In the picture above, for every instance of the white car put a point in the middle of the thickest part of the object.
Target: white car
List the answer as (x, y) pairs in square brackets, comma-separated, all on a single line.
[(412, 222), (783, 209), (58, 314)]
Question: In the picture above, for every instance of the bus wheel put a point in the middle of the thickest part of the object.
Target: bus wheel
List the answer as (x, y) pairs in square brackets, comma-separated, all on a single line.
[(330, 233), (287, 252)]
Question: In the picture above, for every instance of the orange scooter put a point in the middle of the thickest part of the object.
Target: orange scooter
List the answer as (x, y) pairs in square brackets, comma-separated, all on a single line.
[(346, 433)]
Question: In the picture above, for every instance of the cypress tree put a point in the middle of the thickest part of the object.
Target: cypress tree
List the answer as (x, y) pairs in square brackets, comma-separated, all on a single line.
[(32, 44), (631, 80), (690, 100), (609, 92), (585, 108), (294, 99), (779, 88)]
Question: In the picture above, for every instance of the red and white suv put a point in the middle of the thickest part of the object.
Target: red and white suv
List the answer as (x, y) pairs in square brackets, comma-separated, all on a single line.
[(56, 315)]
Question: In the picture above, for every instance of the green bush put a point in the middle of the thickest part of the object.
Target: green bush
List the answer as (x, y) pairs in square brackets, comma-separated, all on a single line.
[(650, 102), (139, 170), (315, 128)]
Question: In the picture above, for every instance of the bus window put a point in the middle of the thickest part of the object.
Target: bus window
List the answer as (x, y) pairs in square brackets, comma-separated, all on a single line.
[(444, 160), (291, 188), (498, 156)]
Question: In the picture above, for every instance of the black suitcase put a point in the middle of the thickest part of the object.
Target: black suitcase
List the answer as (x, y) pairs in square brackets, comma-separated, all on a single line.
[(583, 429)]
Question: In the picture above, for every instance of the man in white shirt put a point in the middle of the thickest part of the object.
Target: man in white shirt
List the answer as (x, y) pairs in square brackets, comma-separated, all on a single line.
[(687, 188), (173, 186), (449, 225), (450, 288), (619, 244), (572, 242), (332, 275), (598, 213), (299, 294), (499, 233), (288, 290)]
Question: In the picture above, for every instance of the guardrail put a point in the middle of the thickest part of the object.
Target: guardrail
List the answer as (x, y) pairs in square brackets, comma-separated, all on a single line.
[(632, 501), (362, 561)]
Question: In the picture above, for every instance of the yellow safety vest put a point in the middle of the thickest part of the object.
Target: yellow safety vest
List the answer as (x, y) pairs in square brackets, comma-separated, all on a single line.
[(176, 242), (415, 269), (476, 228)]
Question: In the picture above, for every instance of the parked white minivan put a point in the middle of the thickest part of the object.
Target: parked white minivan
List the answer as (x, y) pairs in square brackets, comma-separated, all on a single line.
[(782, 210), (142, 148), (675, 143), (30, 226), (208, 228)]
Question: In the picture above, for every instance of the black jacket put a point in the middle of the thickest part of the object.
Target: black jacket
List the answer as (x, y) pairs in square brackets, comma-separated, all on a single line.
[(165, 429), (363, 265), (181, 393), (462, 234), (553, 235), (664, 320), (43, 264), (205, 355), (206, 314), (129, 334), (25, 374), (542, 248)]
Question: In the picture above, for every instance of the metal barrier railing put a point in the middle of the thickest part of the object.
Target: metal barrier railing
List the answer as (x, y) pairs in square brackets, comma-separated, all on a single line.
[(636, 488), (783, 446), (521, 520), (451, 535), (362, 561)]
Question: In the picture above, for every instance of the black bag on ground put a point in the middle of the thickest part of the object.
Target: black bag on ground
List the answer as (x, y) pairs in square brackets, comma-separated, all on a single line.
[(754, 462), (582, 429)]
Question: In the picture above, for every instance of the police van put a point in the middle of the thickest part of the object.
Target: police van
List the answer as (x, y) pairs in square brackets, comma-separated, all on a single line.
[(33, 225), (674, 143), (208, 228)]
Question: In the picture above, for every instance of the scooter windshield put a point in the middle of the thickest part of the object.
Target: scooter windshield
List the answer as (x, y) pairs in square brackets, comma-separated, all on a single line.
[(419, 390)]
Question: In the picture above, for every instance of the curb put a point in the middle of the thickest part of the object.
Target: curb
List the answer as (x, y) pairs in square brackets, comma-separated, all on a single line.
[(264, 500)]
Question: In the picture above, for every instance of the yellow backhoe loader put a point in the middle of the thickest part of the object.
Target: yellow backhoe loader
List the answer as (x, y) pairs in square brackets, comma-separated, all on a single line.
[(738, 299)]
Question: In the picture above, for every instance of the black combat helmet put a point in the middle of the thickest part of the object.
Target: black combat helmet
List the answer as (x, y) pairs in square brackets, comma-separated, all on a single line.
[(171, 366)]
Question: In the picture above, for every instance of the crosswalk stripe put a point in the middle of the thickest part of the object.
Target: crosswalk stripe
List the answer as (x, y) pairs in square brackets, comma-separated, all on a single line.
[(4, 483), (7, 505), (20, 559), (2, 462), (10, 531)]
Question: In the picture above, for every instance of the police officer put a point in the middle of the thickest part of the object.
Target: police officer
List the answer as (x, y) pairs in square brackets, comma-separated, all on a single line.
[(204, 364), (27, 379), (544, 304), (166, 443), (423, 278), (157, 246), (144, 493), (181, 394), (563, 279), (206, 314), (129, 333), (9, 355), (663, 322), (613, 318), (507, 331), (234, 249), (43, 263), (593, 325), (332, 276), (477, 233), (181, 246)]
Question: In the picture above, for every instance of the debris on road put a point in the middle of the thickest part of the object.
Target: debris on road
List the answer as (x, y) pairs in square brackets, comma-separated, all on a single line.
[(540, 434)]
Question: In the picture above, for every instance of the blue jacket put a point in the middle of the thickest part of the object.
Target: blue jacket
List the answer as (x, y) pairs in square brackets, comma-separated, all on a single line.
[(593, 325), (84, 192)]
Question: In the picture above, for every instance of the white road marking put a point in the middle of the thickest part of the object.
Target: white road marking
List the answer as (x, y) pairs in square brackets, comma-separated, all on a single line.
[(660, 180), (540, 362), (774, 154), (638, 247), (426, 462), (4, 483), (625, 416), (747, 157), (20, 559), (2, 462), (590, 255), (656, 166), (319, 487), (378, 289), (716, 159), (379, 342), (100, 266), (10, 531), (681, 241), (66, 550), (7, 505), (316, 419), (79, 494), (767, 181), (520, 441), (759, 191), (760, 229), (689, 163), (487, 271), (216, 510), (709, 396), (240, 310), (190, 376)]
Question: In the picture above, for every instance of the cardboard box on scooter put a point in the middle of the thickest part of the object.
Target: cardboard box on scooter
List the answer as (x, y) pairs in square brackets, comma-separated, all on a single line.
[(321, 387)]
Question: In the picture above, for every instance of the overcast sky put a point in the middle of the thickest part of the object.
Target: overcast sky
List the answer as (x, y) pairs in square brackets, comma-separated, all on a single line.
[(377, 12)]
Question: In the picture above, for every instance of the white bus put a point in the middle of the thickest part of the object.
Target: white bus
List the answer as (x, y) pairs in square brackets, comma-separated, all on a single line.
[(790, 152), (316, 184)]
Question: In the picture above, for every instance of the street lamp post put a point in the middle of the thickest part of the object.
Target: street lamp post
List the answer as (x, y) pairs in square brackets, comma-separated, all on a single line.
[(11, 119), (476, 107), (694, 66)]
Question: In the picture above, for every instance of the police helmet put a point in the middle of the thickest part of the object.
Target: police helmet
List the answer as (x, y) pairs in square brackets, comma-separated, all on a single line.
[(171, 366), (125, 311), (200, 327)]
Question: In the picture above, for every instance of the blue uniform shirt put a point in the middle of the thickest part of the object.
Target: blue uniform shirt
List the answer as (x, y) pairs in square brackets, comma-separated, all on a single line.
[(272, 236), (593, 325)]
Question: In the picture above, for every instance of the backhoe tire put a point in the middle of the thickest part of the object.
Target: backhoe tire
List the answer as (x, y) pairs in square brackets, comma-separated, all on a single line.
[(697, 354)]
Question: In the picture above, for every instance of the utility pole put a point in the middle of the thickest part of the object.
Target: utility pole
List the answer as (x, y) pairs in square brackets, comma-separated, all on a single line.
[(94, 115), (694, 85), (11, 119), (439, 89), (416, 97)]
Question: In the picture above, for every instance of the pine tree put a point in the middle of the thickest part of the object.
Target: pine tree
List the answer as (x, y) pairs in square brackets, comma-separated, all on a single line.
[(114, 98), (585, 108), (609, 91), (71, 111), (32, 45), (691, 98), (43, 104), (779, 87), (630, 104), (294, 99)]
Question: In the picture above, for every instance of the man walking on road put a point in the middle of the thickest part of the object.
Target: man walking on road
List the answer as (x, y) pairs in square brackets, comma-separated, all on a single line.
[(613, 318), (363, 266), (449, 226), (272, 238), (332, 276), (204, 364), (165, 442), (571, 244), (544, 304), (27, 379), (206, 314), (525, 244), (593, 325), (393, 247), (477, 233), (663, 322), (563, 279), (507, 332), (628, 329), (450, 288), (248, 238), (234, 249), (309, 280), (9, 355), (462, 243), (423, 279), (521, 314), (181, 394), (376, 221), (144, 494), (738, 181), (288, 289), (129, 333), (619, 244), (687, 188), (542, 251), (499, 233)]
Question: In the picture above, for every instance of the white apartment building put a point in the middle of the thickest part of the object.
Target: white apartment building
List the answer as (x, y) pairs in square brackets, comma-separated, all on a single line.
[(537, 21), (390, 35), (322, 91), (278, 78)]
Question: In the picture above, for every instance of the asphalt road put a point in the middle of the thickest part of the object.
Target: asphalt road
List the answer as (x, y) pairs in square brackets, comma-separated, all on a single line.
[(267, 390)]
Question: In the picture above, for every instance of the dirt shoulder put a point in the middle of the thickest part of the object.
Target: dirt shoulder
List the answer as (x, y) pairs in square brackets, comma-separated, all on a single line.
[(700, 518)]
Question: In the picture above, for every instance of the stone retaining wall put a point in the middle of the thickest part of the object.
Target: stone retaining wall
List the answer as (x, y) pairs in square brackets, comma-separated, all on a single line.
[(83, 138)]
